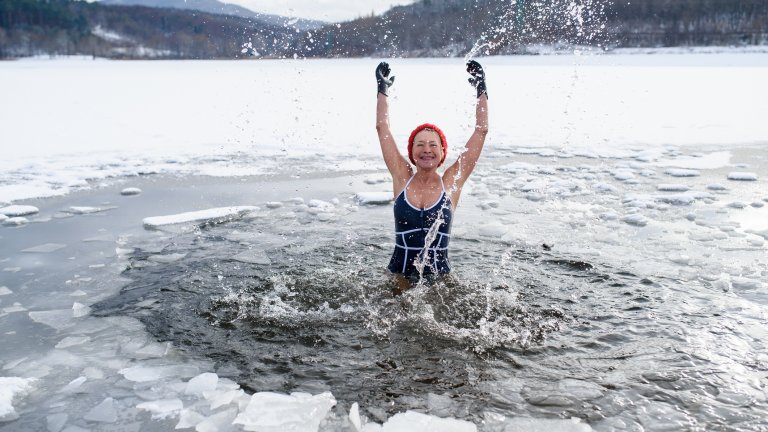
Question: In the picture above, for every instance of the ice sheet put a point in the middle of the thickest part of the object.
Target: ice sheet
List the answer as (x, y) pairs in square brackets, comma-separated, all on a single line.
[(201, 216)]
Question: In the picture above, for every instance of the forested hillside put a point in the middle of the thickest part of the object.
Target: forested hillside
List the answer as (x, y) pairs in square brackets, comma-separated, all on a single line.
[(64, 27), (425, 28)]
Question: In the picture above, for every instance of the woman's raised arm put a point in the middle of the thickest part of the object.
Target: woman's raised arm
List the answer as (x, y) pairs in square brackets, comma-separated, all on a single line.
[(398, 166), (458, 173)]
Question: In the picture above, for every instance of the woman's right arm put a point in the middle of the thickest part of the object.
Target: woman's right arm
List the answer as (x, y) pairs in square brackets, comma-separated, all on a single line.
[(398, 166)]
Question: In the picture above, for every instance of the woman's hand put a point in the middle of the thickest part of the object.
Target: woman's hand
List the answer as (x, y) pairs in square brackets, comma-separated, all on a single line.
[(478, 77), (382, 78)]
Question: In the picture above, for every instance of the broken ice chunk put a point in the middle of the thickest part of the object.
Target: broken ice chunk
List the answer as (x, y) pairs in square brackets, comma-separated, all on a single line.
[(130, 191), (162, 408), (201, 383), (105, 412), (274, 411), (19, 210)]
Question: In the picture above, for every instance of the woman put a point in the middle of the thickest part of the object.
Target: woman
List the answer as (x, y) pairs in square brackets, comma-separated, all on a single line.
[(425, 200)]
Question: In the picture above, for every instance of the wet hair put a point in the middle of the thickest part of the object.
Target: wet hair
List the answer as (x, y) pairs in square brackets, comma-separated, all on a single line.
[(429, 127)]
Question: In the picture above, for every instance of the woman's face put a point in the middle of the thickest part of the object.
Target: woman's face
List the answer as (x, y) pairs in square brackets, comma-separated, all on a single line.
[(427, 149)]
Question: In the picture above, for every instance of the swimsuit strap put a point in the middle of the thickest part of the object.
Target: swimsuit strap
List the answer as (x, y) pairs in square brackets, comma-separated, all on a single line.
[(404, 191)]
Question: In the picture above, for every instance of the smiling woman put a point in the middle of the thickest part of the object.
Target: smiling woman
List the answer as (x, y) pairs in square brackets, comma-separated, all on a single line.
[(423, 205)]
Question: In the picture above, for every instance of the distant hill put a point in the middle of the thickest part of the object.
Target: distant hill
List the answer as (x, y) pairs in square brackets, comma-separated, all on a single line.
[(65, 27), (439, 28), (217, 7), (433, 28)]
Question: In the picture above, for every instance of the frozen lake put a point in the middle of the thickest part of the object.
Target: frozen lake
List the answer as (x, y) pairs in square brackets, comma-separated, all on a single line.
[(609, 251)]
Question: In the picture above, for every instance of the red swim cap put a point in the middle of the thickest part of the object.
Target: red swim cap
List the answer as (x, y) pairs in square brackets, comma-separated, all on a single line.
[(420, 128)]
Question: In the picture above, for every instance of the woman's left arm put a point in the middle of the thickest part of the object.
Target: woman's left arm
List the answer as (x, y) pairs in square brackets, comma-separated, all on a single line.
[(458, 173)]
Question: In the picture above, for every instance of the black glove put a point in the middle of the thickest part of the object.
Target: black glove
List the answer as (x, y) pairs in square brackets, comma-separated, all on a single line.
[(478, 77), (383, 79)]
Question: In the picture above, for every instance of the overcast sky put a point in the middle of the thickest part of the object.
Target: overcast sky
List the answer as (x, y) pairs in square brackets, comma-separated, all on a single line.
[(324, 10)]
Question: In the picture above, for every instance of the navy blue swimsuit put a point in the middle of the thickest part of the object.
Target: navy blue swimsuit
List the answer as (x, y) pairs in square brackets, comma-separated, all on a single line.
[(412, 226)]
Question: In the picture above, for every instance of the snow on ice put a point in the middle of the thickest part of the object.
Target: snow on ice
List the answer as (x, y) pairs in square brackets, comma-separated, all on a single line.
[(214, 215)]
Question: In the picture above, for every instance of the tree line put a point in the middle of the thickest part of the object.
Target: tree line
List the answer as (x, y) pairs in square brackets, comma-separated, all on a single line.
[(70, 27), (425, 28)]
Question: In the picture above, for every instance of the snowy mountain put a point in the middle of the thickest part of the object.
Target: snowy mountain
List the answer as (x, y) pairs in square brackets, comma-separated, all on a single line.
[(217, 7)]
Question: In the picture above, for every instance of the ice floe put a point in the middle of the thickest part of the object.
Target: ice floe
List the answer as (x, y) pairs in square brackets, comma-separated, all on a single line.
[(373, 198), (636, 220), (525, 424), (16, 221), (737, 176), (297, 412), (105, 412), (253, 256), (45, 248), (162, 408), (682, 172), (411, 421), (154, 373), (672, 188), (130, 191), (213, 215), (12, 388), (19, 210), (81, 210)]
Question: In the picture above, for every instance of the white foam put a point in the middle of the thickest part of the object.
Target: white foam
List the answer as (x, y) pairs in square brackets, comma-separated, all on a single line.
[(742, 176), (737, 204), (3, 218), (373, 198), (297, 412), (4, 290), (213, 215), (19, 210), (12, 388)]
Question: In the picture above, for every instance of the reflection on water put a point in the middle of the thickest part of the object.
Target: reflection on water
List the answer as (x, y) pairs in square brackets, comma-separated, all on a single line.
[(516, 331)]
